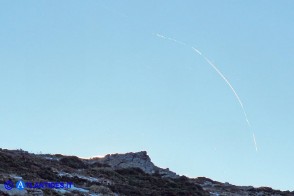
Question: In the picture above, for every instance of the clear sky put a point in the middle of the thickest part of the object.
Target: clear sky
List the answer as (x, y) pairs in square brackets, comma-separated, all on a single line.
[(91, 78)]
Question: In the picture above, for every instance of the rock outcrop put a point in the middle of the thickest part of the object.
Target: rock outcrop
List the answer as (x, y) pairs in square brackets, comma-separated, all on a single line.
[(135, 160), (115, 174)]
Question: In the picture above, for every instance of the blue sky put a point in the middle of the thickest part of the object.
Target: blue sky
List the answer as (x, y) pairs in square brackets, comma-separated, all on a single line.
[(91, 78)]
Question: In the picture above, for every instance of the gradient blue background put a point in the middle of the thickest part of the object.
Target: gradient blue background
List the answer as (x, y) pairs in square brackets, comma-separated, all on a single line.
[(91, 78)]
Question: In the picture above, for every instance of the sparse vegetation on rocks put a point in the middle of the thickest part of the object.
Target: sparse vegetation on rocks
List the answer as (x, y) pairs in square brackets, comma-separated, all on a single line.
[(118, 174)]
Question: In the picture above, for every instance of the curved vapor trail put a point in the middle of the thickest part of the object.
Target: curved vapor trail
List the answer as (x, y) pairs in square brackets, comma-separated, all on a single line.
[(226, 80), (221, 75)]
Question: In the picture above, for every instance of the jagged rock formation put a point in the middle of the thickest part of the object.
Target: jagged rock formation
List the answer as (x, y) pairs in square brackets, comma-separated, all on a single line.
[(116, 174), (135, 160)]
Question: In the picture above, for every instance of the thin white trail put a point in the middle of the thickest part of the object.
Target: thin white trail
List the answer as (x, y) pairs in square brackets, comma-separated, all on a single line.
[(226, 80), (254, 141), (221, 75), (170, 39)]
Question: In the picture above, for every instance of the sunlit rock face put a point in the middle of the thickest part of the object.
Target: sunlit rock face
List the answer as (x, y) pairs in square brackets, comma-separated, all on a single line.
[(135, 160)]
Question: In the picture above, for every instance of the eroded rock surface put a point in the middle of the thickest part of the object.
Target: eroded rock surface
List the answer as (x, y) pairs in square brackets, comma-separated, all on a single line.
[(115, 174), (135, 160)]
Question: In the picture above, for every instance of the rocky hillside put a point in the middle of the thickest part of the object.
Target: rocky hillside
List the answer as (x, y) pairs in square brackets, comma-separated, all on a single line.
[(115, 174), (134, 160)]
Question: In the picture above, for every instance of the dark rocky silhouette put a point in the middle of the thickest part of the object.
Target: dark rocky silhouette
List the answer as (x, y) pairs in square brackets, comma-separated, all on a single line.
[(116, 174)]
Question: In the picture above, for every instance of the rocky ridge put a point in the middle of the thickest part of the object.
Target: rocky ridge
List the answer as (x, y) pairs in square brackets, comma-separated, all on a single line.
[(135, 160), (114, 174)]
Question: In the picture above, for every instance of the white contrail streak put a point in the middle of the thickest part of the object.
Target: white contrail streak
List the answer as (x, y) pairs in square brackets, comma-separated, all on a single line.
[(255, 144), (226, 80), (171, 39), (197, 51), (221, 75)]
